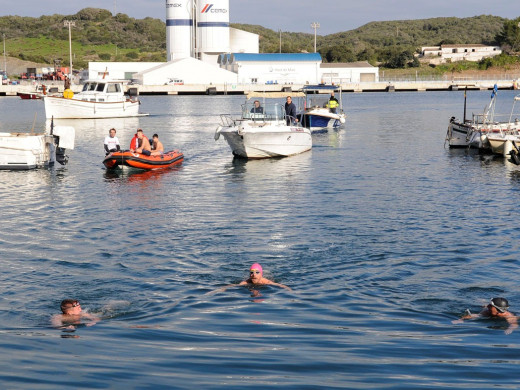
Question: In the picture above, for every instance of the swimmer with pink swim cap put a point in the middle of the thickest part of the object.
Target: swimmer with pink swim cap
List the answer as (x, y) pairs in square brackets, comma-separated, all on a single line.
[(256, 278)]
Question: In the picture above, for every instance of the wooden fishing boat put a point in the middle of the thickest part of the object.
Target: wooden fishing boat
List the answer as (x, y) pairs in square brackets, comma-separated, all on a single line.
[(142, 161)]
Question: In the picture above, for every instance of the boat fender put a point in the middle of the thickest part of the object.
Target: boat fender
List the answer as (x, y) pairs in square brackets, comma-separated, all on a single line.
[(217, 133), (68, 94)]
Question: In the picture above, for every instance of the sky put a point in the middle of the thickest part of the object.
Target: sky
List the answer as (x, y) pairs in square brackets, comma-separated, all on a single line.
[(287, 15)]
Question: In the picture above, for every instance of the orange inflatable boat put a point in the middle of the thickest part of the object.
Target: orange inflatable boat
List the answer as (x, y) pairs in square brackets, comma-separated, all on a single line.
[(142, 161)]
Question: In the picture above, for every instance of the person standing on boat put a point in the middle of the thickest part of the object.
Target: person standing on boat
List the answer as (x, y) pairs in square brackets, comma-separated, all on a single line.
[(112, 142), (67, 83), (140, 143), (257, 108), (333, 103), (157, 146), (290, 111)]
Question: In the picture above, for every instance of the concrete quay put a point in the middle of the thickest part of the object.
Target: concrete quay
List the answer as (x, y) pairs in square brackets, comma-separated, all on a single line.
[(240, 89)]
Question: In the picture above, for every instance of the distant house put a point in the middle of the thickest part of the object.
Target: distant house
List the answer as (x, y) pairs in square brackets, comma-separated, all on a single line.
[(451, 53), (348, 72)]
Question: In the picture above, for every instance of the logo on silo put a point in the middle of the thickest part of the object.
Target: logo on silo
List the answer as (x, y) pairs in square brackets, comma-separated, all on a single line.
[(209, 8)]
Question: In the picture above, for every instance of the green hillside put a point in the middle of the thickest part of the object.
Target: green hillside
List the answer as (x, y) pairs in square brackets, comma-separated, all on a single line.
[(99, 36)]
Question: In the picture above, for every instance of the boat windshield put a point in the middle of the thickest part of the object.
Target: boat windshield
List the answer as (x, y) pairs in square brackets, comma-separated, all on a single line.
[(263, 111), (89, 87), (318, 100)]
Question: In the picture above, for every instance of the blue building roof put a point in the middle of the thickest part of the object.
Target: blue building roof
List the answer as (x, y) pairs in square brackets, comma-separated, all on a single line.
[(282, 57)]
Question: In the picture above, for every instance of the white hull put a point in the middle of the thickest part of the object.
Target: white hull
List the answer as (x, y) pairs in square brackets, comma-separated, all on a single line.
[(461, 135), (270, 141), (502, 144), (62, 108), (24, 151)]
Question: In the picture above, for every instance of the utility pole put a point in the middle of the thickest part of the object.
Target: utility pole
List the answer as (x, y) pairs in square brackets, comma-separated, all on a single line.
[(315, 26), (70, 24), (5, 60)]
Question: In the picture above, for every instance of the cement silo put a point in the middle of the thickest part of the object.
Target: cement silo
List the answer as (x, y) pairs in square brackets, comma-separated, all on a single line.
[(212, 27), (179, 29)]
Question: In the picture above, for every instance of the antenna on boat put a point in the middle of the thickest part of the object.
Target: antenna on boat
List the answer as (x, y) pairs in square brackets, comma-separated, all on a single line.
[(34, 122), (105, 72), (465, 93)]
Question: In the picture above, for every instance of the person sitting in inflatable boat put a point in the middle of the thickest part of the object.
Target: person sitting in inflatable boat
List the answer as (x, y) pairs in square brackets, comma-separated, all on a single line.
[(140, 144)]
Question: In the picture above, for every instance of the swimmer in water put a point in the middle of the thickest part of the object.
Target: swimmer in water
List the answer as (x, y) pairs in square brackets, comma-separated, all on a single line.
[(72, 315), (497, 308), (255, 279)]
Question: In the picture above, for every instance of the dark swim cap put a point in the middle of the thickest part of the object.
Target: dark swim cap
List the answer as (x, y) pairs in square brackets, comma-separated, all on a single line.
[(501, 304)]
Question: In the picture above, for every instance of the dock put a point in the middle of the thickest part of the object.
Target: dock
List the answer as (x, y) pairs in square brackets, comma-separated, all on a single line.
[(240, 89)]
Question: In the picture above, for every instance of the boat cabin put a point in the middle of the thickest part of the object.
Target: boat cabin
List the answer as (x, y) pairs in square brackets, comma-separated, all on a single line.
[(319, 95), (102, 91), (267, 106)]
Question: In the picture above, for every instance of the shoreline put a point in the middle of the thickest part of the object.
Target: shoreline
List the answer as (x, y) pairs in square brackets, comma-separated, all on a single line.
[(241, 89)]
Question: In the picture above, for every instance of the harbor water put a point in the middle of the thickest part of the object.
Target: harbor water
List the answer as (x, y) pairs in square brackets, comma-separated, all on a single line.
[(384, 236)]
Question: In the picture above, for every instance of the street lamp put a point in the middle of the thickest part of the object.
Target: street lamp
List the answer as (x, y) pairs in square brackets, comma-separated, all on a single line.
[(70, 24), (315, 26)]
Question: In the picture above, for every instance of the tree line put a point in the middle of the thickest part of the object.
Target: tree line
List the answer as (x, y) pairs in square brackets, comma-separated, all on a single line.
[(391, 44)]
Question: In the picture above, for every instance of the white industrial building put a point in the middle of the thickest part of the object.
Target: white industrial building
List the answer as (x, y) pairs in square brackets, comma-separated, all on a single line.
[(202, 49), (349, 72), (273, 68), (444, 53)]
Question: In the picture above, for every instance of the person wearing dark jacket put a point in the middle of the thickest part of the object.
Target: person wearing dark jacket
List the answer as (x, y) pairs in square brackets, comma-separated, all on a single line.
[(290, 111)]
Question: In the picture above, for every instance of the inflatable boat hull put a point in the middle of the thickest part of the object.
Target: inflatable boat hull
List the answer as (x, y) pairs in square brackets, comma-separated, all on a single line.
[(141, 161)]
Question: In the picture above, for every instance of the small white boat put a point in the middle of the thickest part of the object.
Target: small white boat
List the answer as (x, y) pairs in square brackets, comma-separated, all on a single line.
[(20, 151), (486, 130), (98, 99), (264, 132), (320, 114)]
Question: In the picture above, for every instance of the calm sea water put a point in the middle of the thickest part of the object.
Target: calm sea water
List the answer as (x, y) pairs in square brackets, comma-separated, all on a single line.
[(384, 236)]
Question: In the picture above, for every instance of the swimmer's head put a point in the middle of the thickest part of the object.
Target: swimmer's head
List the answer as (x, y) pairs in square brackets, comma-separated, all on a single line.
[(501, 304), (257, 267), (68, 304)]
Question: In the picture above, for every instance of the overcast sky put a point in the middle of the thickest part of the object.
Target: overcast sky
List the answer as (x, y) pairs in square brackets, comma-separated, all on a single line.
[(287, 15)]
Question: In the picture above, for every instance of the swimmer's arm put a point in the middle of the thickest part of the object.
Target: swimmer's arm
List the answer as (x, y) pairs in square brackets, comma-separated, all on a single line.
[(280, 285), (93, 319), (224, 288), (513, 324), (56, 321), (467, 316)]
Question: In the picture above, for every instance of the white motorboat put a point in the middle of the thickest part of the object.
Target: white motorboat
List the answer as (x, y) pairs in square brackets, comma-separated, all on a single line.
[(98, 99), (486, 130), (320, 114), (19, 151), (264, 131)]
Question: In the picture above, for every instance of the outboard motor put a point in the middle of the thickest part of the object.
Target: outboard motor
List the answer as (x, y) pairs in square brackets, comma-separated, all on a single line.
[(61, 157), (514, 153)]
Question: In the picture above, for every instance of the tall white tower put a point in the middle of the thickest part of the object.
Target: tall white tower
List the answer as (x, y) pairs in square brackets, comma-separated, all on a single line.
[(212, 27), (179, 29)]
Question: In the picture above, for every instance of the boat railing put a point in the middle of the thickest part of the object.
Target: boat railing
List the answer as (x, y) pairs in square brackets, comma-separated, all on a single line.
[(227, 120), (270, 112)]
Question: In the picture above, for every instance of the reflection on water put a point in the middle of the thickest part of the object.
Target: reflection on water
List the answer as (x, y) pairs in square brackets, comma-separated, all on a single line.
[(384, 236)]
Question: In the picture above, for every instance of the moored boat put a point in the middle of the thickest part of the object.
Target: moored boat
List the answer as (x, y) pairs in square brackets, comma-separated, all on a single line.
[(486, 130), (142, 161), (98, 99), (21, 151), (264, 131)]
